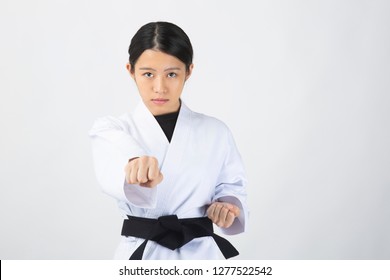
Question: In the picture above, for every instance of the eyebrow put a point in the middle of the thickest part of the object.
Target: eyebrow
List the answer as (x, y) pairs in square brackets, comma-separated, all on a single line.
[(152, 69)]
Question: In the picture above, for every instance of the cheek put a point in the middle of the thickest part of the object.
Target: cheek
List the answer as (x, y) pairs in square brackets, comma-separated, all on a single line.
[(142, 84), (178, 84)]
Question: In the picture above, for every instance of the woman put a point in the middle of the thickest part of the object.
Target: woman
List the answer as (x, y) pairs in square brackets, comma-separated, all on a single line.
[(174, 172)]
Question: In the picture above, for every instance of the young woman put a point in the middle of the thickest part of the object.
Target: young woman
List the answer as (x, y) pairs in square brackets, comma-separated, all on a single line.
[(174, 172)]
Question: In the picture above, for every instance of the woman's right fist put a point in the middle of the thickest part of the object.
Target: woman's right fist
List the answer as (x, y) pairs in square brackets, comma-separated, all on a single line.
[(143, 171)]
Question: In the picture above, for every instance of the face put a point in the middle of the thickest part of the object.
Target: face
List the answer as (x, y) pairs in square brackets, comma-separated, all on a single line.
[(160, 79)]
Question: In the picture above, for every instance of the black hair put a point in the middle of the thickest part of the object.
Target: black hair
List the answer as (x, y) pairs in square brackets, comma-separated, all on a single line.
[(162, 36)]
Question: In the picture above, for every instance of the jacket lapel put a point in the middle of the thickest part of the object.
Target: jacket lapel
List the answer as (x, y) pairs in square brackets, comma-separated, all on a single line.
[(150, 133), (174, 157)]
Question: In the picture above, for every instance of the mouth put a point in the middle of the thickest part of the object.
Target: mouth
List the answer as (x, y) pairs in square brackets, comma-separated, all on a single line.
[(159, 101)]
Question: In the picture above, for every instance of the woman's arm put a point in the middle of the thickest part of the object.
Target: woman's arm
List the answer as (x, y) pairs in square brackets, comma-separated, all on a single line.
[(112, 147), (229, 206)]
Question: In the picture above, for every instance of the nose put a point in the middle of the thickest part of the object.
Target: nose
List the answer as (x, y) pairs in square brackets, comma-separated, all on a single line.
[(159, 85)]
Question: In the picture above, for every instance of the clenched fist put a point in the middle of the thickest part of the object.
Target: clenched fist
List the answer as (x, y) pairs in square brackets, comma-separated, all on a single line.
[(143, 171), (222, 213)]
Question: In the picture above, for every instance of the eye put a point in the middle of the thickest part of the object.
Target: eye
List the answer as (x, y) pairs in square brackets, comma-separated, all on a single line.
[(148, 75), (172, 75)]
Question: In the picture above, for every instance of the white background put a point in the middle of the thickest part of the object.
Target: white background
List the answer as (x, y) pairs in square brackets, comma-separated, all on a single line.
[(303, 85)]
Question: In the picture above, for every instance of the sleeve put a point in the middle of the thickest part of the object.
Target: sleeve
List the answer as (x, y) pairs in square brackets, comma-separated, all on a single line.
[(112, 147), (231, 186)]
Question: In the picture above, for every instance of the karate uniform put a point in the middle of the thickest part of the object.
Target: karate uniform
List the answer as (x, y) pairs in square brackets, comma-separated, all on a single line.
[(200, 165)]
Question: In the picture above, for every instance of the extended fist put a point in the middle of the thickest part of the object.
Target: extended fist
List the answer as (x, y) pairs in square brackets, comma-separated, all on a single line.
[(222, 213), (143, 171)]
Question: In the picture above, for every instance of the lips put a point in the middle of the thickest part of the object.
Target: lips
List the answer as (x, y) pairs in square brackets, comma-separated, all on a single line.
[(160, 101)]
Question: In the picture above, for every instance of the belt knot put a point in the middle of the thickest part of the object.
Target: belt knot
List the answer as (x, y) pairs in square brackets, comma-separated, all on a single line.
[(171, 232)]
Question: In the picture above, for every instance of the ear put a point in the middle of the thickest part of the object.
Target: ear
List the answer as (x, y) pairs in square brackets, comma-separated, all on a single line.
[(129, 68), (189, 72)]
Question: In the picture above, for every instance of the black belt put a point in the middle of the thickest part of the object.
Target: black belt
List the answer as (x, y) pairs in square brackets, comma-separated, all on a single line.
[(173, 233)]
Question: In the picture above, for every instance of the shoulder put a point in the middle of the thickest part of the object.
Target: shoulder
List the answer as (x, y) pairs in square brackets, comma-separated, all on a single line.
[(203, 119), (109, 122), (208, 120), (211, 130), (209, 123)]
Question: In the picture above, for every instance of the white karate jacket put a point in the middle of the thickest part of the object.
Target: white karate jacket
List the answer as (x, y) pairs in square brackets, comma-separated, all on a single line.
[(200, 165)]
